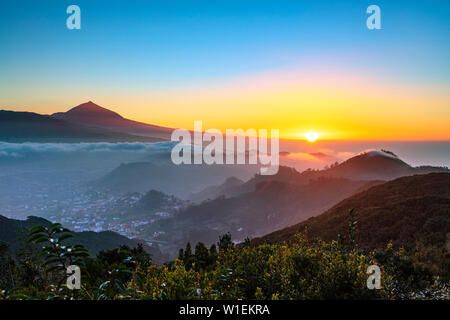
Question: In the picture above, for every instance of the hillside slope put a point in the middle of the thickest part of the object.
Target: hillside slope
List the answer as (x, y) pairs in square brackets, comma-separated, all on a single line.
[(164, 176), (93, 115), (209, 193), (405, 210), (33, 127), (14, 232), (273, 205), (367, 166)]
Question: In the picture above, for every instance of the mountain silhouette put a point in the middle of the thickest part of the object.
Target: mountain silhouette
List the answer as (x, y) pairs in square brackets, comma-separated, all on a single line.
[(93, 115), (372, 165), (273, 205), (14, 232), (88, 111), (226, 189), (164, 176), (367, 166), (87, 122), (33, 127), (404, 211)]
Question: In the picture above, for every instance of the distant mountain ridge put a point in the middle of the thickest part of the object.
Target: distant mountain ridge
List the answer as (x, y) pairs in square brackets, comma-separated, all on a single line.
[(91, 114), (14, 232), (404, 210), (266, 203), (87, 122), (367, 166), (163, 175), (33, 127), (372, 165), (86, 112), (227, 189), (273, 205)]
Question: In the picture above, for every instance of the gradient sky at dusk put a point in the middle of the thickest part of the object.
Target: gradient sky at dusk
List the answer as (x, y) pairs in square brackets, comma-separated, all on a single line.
[(295, 65)]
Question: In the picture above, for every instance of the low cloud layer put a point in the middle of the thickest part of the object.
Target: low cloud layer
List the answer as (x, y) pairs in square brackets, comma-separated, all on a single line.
[(15, 150), (11, 151)]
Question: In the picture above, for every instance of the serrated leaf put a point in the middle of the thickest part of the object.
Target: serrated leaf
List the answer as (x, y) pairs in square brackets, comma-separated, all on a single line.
[(119, 285), (37, 228), (34, 237), (50, 261), (41, 239), (80, 254), (65, 236), (104, 284), (57, 267), (55, 226), (80, 249)]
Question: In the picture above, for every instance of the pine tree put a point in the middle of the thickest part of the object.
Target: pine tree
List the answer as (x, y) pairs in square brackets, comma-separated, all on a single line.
[(188, 257), (201, 256)]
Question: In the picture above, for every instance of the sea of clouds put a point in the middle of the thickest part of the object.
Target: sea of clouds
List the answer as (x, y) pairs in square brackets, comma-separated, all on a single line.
[(16, 150)]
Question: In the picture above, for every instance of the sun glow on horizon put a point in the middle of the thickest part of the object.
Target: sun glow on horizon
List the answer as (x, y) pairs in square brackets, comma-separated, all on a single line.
[(309, 106), (312, 136)]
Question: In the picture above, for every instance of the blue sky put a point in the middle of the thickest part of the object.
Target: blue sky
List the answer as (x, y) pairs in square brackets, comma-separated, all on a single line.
[(173, 43), (130, 48)]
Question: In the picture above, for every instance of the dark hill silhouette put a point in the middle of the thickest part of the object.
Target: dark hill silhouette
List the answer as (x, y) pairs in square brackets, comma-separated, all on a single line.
[(14, 232), (233, 187), (33, 127), (93, 115), (150, 204), (271, 206), (226, 189), (405, 210), (89, 111), (372, 165), (368, 166), (163, 175)]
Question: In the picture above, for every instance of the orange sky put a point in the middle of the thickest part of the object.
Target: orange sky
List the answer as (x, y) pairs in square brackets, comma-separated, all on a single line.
[(338, 105)]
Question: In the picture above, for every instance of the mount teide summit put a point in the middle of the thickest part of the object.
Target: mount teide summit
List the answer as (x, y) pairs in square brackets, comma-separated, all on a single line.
[(87, 122), (89, 112), (32, 127), (93, 115)]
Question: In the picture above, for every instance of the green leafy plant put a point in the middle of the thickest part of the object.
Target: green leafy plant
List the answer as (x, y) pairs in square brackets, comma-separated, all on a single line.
[(56, 254)]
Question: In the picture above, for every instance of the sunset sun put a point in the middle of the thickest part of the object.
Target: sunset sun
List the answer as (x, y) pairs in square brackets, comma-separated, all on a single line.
[(311, 136)]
